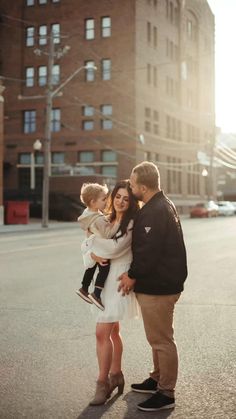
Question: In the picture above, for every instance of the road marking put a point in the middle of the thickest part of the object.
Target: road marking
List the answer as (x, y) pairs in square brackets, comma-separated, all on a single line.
[(6, 252)]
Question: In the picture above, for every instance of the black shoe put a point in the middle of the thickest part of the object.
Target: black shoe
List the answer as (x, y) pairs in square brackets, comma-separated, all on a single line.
[(147, 386), (157, 402)]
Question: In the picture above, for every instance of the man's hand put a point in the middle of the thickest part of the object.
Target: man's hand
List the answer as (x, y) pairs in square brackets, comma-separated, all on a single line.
[(126, 284)]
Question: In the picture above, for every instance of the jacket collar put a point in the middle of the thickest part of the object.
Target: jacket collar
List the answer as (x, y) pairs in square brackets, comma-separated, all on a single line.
[(155, 197)]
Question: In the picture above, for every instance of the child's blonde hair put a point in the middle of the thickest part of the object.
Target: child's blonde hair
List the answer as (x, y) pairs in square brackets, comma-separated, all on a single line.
[(91, 191)]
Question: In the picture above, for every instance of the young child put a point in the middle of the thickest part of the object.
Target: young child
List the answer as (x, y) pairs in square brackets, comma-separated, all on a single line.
[(92, 220)]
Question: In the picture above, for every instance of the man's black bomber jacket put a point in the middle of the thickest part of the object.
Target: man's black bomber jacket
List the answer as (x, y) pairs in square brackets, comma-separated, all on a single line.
[(159, 257)]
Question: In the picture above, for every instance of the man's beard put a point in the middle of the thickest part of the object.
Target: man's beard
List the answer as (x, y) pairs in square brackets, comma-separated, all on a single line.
[(138, 195)]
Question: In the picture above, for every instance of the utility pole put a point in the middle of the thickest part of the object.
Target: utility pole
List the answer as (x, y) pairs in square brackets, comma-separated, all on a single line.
[(1, 152), (211, 182), (47, 140)]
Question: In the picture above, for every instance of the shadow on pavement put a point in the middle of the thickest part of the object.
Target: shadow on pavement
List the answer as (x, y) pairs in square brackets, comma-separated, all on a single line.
[(131, 411), (97, 411)]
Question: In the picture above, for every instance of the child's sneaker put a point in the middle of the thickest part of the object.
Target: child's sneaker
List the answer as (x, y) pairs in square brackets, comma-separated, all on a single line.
[(83, 294), (97, 301)]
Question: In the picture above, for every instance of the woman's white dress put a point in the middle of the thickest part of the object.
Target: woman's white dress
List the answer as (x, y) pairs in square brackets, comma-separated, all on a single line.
[(119, 252)]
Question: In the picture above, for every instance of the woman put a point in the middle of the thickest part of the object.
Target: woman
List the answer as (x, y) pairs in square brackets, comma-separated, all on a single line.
[(123, 208)]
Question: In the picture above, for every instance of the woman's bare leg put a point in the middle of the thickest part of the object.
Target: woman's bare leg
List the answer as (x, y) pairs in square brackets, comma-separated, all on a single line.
[(104, 349), (117, 349)]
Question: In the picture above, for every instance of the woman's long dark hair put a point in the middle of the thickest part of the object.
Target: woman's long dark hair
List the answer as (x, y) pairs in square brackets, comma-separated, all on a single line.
[(131, 211)]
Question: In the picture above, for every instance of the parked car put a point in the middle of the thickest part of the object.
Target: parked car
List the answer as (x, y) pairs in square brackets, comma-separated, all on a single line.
[(204, 209), (225, 208), (234, 204)]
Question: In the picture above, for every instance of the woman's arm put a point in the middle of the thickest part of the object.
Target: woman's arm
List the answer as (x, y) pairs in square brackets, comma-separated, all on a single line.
[(105, 248)]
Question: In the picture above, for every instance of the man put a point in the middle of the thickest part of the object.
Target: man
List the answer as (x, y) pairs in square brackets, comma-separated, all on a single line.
[(157, 274)]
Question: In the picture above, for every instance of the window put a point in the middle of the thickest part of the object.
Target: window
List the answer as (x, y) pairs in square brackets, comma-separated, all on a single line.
[(56, 74), (109, 156), (86, 156), (29, 76), (89, 29), (29, 2), (42, 1), (88, 110), (156, 129), (171, 12), (147, 156), (90, 72), (42, 75), (58, 157), (148, 32), (29, 36), (106, 111), (55, 1), (176, 16), (167, 8), (109, 171), (88, 125), (42, 35), (155, 76), (24, 158), (39, 158), (106, 124), (167, 126), (147, 126), (148, 73), (147, 112), (29, 121), (155, 36), (155, 116), (55, 120), (106, 27), (56, 33), (106, 69)]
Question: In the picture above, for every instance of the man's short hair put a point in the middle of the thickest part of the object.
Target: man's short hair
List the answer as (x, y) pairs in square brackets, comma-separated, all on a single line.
[(148, 175), (91, 191)]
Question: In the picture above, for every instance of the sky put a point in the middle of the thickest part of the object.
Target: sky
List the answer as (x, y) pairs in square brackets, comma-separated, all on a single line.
[(225, 63)]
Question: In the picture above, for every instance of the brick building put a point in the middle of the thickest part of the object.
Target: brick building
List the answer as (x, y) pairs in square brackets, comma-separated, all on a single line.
[(151, 97), (1, 152)]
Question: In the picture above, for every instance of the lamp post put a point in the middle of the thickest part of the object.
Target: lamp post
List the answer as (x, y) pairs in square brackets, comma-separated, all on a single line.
[(205, 175), (36, 147)]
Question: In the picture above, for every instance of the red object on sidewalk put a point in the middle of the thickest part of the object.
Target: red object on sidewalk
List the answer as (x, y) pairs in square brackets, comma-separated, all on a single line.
[(16, 212)]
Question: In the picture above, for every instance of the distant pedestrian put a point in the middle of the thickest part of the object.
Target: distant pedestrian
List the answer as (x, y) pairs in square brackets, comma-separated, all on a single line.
[(93, 221), (157, 274)]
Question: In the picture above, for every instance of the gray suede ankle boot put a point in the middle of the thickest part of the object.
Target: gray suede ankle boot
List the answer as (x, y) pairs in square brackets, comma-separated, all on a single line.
[(102, 393), (117, 380)]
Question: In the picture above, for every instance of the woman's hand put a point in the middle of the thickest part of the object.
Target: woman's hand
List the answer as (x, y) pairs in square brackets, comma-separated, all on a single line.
[(101, 261)]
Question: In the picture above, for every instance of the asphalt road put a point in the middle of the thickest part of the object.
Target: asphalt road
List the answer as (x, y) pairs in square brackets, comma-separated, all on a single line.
[(47, 347)]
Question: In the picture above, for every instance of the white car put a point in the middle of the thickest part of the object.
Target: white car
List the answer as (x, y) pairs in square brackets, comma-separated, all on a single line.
[(234, 204), (225, 208)]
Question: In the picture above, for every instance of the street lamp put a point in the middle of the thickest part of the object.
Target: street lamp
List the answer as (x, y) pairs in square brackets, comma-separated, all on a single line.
[(205, 175), (36, 147)]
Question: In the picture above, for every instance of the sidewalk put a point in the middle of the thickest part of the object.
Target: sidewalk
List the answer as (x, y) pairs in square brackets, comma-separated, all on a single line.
[(35, 225)]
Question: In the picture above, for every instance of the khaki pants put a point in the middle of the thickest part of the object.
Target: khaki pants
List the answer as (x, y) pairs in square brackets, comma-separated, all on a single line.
[(157, 312)]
